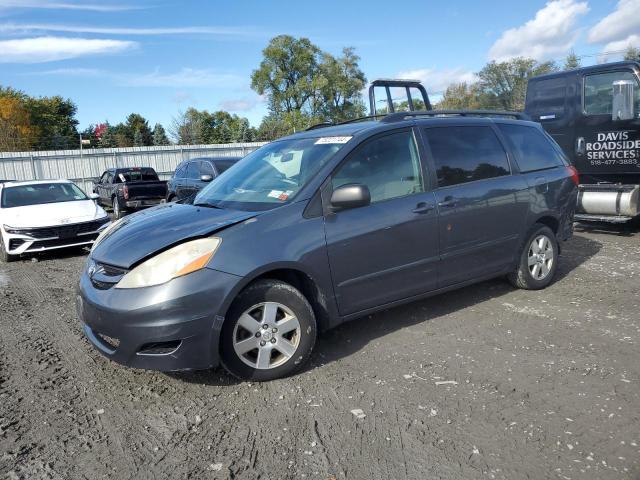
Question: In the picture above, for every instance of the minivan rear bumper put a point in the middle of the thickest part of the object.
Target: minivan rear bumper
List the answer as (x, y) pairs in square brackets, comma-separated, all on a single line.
[(175, 326)]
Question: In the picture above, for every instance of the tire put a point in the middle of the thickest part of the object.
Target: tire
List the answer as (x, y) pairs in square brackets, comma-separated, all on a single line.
[(266, 355), (536, 269), (117, 212), (4, 256)]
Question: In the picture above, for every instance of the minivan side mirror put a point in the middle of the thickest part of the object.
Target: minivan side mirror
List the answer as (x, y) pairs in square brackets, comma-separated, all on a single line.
[(94, 196), (206, 178), (623, 100), (351, 195)]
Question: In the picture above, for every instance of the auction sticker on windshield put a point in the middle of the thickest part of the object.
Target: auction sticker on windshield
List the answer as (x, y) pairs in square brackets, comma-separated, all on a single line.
[(332, 140)]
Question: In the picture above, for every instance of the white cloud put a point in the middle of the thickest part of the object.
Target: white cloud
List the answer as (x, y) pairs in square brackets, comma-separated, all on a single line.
[(241, 104), (211, 30), (619, 47), (186, 77), (54, 5), (183, 78), (619, 26), (549, 34), (48, 49), (437, 81)]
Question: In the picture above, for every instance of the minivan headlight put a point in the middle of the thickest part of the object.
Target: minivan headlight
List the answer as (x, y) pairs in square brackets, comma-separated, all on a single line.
[(181, 260)]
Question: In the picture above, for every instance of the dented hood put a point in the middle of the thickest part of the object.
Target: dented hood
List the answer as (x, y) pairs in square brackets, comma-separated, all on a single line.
[(144, 233)]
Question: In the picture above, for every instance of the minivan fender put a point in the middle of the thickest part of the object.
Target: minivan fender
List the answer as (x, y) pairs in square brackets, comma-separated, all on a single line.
[(317, 292)]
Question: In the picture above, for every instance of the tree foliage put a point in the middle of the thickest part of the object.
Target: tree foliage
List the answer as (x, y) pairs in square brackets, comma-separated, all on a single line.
[(503, 85), (160, 136), (304, 85), (632, 54), (37, 123), (572, 61), (459, 96), (194, 127)]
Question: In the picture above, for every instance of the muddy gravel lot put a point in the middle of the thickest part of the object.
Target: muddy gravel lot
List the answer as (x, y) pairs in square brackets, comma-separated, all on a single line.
[(484, 382)]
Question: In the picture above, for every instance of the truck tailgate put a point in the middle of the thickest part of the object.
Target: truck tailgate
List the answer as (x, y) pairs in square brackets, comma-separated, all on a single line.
[(147, 190)]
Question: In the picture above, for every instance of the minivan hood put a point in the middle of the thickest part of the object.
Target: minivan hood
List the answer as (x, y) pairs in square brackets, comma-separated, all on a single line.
[(146, 232)]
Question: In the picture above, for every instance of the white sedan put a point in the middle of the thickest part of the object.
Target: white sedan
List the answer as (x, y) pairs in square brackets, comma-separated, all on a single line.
[(44, 215)]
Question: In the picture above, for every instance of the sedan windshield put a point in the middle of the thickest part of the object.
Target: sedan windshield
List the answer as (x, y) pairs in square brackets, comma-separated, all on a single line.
[(270, 176), (39, 193)]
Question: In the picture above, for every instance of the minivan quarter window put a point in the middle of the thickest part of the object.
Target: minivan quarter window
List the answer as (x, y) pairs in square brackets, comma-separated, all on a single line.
[(466, 153), (388, 165), (533, 149)]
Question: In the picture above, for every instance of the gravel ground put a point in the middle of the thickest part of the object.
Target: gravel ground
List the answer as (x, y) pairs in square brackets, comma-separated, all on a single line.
[(484, 382)]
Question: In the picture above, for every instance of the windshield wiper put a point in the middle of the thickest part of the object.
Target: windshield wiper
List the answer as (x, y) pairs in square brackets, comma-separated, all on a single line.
[(207, 204)]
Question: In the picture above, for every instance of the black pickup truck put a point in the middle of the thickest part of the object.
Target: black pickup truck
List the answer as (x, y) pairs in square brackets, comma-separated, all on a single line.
[(128, 189)]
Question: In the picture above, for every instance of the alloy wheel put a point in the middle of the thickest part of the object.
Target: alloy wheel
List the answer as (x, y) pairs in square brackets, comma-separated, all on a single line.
[(266, 335), (541, 257)]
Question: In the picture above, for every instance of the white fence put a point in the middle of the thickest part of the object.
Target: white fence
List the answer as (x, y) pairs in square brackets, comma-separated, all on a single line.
[(83, 167)]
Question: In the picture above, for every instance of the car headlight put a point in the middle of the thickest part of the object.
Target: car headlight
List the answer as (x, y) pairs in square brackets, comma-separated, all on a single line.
[(181, 260)]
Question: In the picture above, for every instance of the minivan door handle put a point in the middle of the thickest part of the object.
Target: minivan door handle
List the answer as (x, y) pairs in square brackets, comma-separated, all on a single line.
[(448, 202), (423, 207), (580, 146)]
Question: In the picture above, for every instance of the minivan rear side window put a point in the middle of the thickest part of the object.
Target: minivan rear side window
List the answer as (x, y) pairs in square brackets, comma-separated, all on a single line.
[(533, 149), (466, 154)]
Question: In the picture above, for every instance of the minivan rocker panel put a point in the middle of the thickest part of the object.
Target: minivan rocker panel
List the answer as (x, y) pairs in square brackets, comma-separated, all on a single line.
[(293, 264)]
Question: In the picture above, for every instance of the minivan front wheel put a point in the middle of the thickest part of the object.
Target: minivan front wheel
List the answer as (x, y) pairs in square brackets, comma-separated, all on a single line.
[(538, 260), (269, 332)]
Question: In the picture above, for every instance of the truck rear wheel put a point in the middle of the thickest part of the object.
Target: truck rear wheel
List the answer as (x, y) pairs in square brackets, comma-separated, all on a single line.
[(117, 212), (538, 260)]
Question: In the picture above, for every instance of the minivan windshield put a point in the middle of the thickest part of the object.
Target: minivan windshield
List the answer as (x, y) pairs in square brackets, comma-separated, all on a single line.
[(40, 193), (271, 175)]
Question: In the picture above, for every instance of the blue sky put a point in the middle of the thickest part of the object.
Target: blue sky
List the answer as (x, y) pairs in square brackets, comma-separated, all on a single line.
[(158, 57)]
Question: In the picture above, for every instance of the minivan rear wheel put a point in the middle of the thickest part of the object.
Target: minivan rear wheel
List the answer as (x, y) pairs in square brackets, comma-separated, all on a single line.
[(269, 332), (538, 260)]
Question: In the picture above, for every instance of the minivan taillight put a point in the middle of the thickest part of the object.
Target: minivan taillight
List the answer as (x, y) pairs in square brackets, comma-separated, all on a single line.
[(125, 192), (574, 174)]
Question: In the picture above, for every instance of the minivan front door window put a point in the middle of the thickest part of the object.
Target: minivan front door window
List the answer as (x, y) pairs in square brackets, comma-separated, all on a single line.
[(389, 166)]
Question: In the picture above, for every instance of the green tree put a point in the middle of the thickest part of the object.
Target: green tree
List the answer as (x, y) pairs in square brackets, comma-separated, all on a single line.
[(52, 122), (108, 139), (632, 53), (460, 96), (138, 131), (340, 85), (305, 85), (201, 127), (503, 85), (288, 73), (159, 135), (572, 61)]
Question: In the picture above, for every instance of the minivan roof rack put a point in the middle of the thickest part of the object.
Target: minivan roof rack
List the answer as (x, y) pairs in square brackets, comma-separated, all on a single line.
[(399, 116)]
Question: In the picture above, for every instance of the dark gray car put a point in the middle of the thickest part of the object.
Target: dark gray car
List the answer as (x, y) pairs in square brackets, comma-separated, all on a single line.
[(322, 227), (194, 174)]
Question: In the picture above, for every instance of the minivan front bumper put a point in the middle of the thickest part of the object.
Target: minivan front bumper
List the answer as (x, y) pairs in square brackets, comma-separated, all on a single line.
[(175, 326)]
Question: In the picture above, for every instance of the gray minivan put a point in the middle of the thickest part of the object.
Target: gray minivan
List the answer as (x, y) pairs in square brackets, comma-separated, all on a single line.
[(322, 227)]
